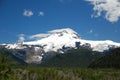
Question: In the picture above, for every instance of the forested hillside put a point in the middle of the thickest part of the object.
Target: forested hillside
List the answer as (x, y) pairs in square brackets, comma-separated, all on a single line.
[(110, 60), (73, 58)]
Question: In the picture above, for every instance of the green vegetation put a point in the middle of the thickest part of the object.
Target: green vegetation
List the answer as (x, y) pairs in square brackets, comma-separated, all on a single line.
[(11, 58), (9, 71), (110, 60), (40, 73), (73, 58), (5, 67)]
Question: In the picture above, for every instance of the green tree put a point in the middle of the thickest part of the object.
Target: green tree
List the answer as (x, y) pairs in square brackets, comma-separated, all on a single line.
[(5, 66)]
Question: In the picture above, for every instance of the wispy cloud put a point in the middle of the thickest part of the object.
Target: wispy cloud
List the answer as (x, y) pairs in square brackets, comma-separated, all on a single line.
[(96, 35), (110, 9), (38, 36), (28, 13), (65, 1), (116, 31), (21, 37), (91, 31), (41, 13)]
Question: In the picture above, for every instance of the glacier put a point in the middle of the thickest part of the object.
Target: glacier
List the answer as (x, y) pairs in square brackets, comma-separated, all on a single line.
[(67, 37)]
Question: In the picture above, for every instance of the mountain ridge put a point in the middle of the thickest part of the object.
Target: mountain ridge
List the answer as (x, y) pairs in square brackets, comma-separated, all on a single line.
[(56, 39), (110, 60)]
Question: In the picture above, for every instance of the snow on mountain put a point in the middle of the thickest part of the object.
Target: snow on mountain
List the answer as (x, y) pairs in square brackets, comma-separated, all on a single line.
[(14, 46), (56, 39), (60, 40), (101, 46)]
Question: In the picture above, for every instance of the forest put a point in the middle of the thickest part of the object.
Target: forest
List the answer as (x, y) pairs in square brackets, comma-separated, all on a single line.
[(13, 69)]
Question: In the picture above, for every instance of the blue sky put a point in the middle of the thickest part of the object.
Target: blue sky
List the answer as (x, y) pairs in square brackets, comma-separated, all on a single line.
[(30, 17)]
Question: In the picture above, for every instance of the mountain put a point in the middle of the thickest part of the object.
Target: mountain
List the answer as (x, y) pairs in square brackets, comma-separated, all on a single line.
[(56, 39), (59, 41), (73, 58), (11, 58), (110, 60)]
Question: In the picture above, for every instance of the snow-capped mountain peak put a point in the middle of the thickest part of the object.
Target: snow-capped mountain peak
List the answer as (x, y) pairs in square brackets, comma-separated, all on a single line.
[(57, 39), (60, 40)]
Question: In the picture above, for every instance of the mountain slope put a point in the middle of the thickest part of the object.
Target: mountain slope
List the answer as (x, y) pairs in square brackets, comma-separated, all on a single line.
[(56, 39), (111, 60), (59, 41), (12, 58), (73, 58)]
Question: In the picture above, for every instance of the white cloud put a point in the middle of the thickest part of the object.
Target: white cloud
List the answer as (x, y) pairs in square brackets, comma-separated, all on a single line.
[(21, 38), (38, 36), (28, 13), (91, 31), (110, 8), (41, 13), (68, 30)]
